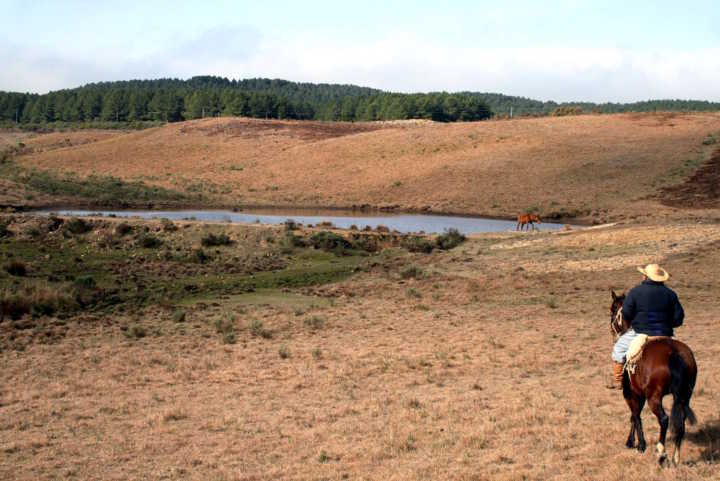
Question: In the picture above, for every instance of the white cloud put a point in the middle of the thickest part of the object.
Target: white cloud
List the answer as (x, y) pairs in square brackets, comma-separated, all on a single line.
[(400, 61)]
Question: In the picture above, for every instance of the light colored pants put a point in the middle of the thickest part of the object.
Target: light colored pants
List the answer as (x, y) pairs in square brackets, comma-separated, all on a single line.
[(622, 345)]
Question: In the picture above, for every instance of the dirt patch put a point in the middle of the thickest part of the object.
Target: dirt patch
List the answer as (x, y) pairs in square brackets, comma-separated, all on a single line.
[(702, 190), (302, 130)]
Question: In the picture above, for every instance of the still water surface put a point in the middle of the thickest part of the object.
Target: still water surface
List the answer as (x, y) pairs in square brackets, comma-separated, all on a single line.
[(344, 219)]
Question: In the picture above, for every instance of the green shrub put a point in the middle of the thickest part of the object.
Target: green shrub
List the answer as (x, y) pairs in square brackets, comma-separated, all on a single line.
[(168, 226), (418, 244), (290, 225), (314, 322), (40, 301), (78, 226), (226, 329), (54, 223), (412, 272), (212, 240), (412, 292), (4, 231), (150, 241), (368, 243), (257, 329), (450, 239), (123, 228), (200, 256), (13, 305), (329, 241), (16, 268), (136, 332), (85, 282), (178, 315)]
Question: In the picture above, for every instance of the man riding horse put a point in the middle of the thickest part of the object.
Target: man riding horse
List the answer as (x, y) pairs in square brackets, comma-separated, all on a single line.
[(650, 308)]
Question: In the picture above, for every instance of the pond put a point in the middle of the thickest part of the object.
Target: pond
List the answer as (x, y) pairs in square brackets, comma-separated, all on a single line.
[(404, 223)]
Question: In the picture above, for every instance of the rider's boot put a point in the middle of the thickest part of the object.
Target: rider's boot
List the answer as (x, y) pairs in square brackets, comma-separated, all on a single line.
[(617, 375)]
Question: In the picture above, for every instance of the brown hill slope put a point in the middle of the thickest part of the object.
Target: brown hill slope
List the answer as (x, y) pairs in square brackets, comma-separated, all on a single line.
[(575, 165)]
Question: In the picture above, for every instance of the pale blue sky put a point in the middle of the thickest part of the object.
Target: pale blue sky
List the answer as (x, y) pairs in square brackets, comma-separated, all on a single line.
[(561, 50)]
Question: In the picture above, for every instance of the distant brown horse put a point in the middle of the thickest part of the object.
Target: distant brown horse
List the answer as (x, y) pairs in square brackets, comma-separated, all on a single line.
[(667, 366), (527, 220)]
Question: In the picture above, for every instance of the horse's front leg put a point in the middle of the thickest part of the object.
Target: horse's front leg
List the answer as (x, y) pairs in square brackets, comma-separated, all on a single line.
[(636, 403), (630, 443)]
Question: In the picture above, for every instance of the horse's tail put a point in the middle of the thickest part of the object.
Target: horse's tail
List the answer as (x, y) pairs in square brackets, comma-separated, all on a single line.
[(682, 383)]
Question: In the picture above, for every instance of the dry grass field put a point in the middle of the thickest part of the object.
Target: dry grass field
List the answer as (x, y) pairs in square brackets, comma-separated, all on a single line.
[(487, 361), (588, 166), (156, 350)]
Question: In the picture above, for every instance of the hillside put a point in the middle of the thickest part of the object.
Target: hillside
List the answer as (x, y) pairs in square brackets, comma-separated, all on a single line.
[(562, 166)]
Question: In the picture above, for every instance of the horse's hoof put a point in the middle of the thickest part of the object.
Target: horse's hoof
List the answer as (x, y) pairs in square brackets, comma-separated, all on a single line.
[(641, 448), (630, 444)]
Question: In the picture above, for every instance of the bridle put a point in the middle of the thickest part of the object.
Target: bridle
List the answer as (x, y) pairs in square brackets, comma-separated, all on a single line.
[(616, 324)]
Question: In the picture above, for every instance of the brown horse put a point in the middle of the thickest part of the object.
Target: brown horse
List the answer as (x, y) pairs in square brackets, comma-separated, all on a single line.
[(527, 220), (667, 366)]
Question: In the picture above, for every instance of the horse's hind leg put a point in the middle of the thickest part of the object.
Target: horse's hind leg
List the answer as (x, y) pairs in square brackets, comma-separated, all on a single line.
[(655, 403)]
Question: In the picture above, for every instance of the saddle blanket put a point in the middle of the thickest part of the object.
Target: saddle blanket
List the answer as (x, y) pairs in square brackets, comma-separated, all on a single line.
[(635, 351)]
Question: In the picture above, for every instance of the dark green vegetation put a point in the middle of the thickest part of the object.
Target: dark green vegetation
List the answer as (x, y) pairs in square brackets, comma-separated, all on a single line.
[(68, 267), (170, 100), (104, 191), (449, 239), (143, 103)]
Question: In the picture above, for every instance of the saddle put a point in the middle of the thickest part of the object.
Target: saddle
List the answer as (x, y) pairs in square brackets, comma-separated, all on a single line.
[(635, 351)]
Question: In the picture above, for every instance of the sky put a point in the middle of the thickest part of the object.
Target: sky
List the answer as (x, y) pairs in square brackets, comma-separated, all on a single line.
[(563, 50)]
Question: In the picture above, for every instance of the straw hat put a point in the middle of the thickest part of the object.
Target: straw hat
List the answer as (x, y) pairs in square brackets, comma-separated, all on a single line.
[(654, 272)]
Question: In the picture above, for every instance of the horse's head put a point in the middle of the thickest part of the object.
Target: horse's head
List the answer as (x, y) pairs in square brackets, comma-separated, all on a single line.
[(535, 218), (617, 324)]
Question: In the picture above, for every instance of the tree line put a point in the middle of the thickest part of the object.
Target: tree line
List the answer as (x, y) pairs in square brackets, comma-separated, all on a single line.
[(175, 100), (172, 100)]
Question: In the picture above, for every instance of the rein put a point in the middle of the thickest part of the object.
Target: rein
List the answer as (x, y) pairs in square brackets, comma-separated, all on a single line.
[(616, 324)]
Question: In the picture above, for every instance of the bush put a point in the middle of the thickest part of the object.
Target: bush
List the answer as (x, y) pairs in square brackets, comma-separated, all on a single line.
[(178, 315), (54, 223), (290, 225), (418, 244), (85, 282), (123, 228), (314, 322), (16, 268), (136, 332), (257, 330), (14, 306), (150, 242), (368, 243), (413, 272), (226, 329), (212, 240), (168, 226), (4, 231), (78, 226), (450, 239), (200, 256), (40, 301), (330, 241), (284, 352), (412, 292)]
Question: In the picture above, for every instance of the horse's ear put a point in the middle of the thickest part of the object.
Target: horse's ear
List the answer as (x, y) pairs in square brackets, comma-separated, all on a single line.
[(614, 296)]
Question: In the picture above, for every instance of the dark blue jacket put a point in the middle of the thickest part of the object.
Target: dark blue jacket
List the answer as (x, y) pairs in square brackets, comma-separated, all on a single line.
[(653, 309)]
